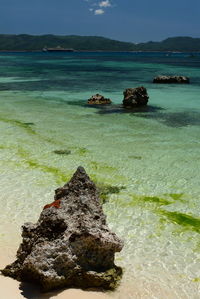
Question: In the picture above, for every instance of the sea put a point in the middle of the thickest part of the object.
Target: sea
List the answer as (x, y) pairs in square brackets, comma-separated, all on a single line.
[(145, 161)]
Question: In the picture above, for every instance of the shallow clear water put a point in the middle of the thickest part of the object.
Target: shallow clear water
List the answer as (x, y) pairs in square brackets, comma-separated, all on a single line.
[(148, 161)]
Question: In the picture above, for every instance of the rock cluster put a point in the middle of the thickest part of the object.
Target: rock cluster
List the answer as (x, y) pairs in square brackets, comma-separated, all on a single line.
[(171, 79), (135, 97), (71, 244), (98, 99)]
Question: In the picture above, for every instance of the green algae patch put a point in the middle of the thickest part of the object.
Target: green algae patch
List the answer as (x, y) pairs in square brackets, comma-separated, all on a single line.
[(18, 123), (113, 277), (56, 172), (82, 151), (186, 221), (106, 190), (3, 147), (135, 157), (156, 205), (155, 199), (27, 126), (102, 167), (152, 202), (176, 196), (60, 176), (155, 202), (196, 279)]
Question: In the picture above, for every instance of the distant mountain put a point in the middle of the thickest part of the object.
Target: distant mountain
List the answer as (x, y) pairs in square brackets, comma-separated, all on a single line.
[(85, 43), (93, 43), (180, 43)]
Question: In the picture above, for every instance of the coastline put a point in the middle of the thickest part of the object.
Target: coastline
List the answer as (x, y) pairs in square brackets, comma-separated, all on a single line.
[(101, 51)]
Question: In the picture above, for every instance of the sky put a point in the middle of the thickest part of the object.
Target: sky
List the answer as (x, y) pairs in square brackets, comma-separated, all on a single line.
[(125, 20)]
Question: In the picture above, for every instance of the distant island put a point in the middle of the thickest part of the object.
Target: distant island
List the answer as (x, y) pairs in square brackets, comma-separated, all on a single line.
[(25, 42)]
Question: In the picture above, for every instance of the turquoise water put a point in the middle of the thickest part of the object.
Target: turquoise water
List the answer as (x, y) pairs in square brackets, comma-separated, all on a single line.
[(147, 163)]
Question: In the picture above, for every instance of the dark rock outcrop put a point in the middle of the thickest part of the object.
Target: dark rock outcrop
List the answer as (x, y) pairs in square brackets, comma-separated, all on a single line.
[(135, 97), (98, 99), (70, 245), (171, 79), (62, 152)]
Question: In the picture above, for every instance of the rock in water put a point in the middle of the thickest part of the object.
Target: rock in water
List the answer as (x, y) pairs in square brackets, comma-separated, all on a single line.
[(171, 79), (70, 245), (98, 99), (135, 97)]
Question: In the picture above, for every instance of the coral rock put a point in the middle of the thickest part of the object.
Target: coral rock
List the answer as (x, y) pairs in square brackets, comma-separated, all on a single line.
[(171, 79), (70, 245), (135, 97), (98, 99)]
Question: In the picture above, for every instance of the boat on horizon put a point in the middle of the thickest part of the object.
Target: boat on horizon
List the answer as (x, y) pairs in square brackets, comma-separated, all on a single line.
[(58, 49)]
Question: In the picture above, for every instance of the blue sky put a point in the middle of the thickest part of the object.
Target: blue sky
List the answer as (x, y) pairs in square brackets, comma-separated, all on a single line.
[(126, 20)]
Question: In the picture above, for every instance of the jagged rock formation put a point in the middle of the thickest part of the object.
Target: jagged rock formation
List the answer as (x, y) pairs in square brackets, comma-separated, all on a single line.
[(171, 79), (135, 97), (98, 99), (70, 245)]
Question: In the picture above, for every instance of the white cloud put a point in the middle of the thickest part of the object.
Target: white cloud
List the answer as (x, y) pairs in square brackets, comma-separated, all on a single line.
[(99, 7), (105, 3), (99, 11)]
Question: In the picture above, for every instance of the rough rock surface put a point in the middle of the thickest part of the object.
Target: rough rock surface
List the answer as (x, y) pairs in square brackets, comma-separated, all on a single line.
[(98, 99), (70, 245), (171, 79), (135, 97)]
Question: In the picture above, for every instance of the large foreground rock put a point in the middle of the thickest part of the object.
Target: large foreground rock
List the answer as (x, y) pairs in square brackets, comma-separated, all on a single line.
[(70, 245), (171, 79), (98, 99), (135, 97)]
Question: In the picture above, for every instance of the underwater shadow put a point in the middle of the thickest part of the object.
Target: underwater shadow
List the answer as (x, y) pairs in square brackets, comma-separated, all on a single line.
[(175, 119), (115, 108), (171, 119), (119, 109), (80, 103)]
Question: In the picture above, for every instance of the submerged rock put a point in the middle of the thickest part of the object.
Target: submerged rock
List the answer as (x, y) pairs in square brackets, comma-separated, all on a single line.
[(71, 244), (98, 99), (171, 79), (135, 97), (62, 152)]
